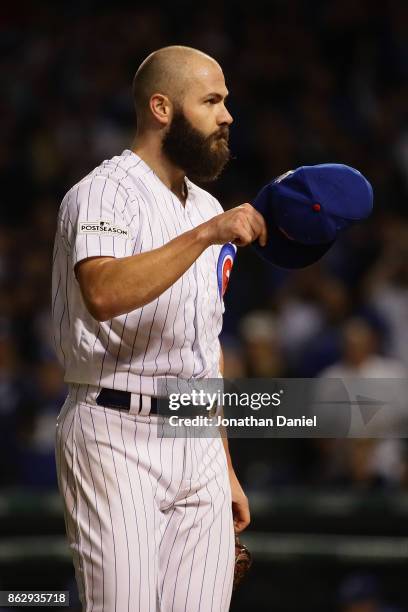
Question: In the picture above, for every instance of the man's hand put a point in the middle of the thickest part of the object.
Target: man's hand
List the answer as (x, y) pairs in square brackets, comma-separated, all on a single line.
[(240, 505), (241, 226)]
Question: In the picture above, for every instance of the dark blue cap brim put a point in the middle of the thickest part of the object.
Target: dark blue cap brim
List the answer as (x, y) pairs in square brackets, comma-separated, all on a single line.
[(280, 250), (286, 253)]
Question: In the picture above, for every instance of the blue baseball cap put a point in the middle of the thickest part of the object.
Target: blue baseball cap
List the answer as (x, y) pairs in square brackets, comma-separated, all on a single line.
[(306, 209)]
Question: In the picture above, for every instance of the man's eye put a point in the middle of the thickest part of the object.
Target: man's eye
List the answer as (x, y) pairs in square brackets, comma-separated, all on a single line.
[(210, 101)]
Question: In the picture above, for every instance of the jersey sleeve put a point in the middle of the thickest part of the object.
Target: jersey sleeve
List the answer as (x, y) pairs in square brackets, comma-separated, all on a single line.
[(95, 220)]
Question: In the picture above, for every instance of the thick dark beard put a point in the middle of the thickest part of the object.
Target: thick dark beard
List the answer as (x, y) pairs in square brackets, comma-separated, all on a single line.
[(202, 158)]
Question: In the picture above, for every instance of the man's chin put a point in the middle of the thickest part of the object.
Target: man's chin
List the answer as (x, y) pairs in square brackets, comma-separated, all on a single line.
[(199, 178), (211, 176)]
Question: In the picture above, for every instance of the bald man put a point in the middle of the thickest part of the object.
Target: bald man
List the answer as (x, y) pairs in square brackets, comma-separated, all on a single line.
[(141, 261)]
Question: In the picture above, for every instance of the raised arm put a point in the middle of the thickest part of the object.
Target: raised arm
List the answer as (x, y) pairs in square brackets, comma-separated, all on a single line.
[(114, 286)]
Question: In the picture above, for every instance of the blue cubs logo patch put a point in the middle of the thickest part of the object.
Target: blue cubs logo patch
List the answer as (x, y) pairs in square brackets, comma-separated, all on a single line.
[(224, 266)]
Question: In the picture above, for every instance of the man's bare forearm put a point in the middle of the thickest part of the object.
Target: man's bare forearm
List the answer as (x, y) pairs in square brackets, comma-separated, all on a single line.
[(112, 287)]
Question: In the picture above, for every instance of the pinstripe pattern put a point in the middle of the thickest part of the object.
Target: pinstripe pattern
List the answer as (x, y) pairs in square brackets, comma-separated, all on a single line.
[(148, 517), (174, 335), (143, 529)]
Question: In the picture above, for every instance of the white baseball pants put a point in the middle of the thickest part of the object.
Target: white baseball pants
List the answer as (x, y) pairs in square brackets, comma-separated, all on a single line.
[(148, 518)]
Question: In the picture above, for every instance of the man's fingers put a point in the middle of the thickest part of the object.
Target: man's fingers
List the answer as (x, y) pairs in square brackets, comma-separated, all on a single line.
[(258, 227), (245, 233), (243, 238), (241, 226), (262, 232), (240, 525), (263, 236), (241, 516)]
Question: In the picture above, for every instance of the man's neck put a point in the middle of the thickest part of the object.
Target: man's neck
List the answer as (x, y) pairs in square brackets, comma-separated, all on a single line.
[(172, 177)]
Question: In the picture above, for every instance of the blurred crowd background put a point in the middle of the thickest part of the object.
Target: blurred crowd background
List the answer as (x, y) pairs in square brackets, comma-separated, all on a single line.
[(310, 82)]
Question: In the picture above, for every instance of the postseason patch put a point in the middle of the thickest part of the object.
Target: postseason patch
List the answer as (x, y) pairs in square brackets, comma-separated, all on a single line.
[(224, 266), (105, 228)]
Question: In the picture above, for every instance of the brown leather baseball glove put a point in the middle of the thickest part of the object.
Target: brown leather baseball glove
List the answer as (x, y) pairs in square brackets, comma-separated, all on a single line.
[(243, 561)]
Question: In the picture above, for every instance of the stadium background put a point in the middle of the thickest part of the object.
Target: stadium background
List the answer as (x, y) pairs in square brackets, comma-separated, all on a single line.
[(310, 82)]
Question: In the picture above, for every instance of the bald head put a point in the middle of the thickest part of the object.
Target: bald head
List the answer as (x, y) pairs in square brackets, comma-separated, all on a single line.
[(169, 71), (180, 98)]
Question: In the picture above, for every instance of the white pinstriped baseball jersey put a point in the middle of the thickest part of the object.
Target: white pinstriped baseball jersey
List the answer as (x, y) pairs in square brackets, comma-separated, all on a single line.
[(121, 209)]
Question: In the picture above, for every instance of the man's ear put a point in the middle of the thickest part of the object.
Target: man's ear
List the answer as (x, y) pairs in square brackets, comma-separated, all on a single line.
[(161, 108)]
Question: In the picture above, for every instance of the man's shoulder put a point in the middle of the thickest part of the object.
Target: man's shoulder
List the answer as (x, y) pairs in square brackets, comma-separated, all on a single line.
[(116, 172), (121, 167)]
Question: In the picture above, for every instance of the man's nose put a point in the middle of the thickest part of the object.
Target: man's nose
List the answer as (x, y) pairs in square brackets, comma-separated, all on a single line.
[(225, 117)]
